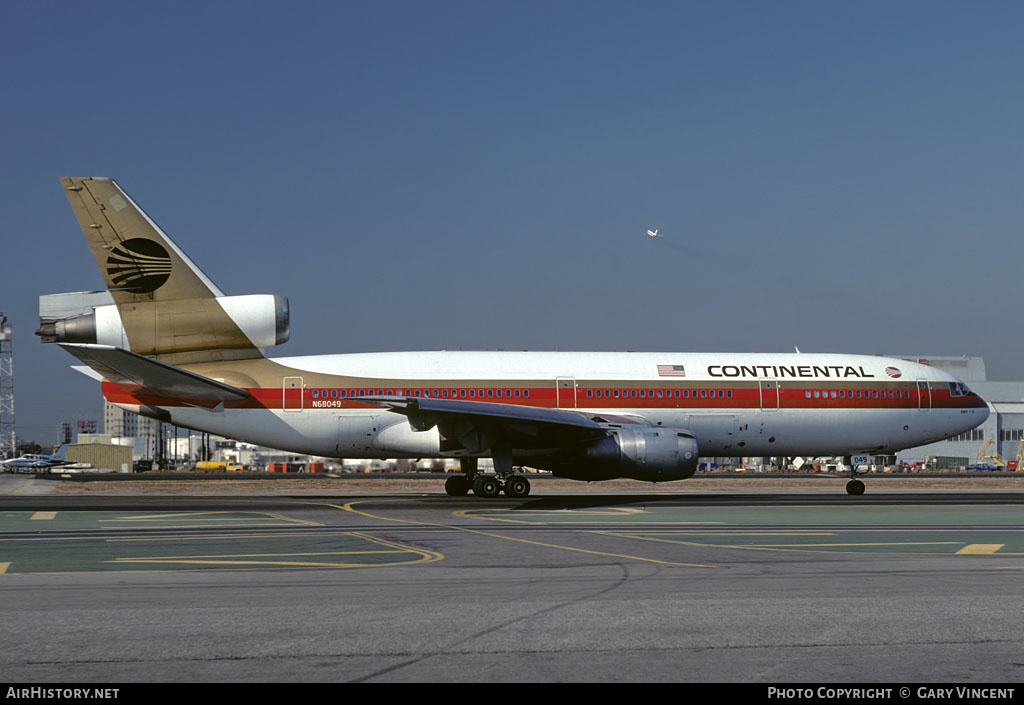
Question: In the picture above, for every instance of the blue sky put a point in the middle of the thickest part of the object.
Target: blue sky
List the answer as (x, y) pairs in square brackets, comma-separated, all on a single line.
[(842, 177)]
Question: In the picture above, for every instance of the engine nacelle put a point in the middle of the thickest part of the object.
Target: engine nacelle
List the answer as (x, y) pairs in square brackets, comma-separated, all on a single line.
[(179, 325), (651, 454)]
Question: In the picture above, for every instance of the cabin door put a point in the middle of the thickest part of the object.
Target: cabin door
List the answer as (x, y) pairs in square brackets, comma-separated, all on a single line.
[(565, 392), (924, 395), (292, 391), (769, 394)]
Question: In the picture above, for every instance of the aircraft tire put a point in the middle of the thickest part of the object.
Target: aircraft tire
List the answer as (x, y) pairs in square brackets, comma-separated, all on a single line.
[(855, 487), (517, 487), (486, 486), (457, 486)]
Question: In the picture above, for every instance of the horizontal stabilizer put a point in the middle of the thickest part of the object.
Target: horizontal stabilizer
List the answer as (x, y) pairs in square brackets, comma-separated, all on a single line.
[(143, 374)]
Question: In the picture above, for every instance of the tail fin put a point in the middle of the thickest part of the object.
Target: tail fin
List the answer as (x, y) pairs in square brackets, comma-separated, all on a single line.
[(137, 259), (164, 305), (62, 452)]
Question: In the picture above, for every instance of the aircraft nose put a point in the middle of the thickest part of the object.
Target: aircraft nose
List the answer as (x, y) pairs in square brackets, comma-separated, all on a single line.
[(984, 411), (981, 413)]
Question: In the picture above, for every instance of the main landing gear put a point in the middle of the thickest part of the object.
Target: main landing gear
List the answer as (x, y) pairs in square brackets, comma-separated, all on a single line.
[(514, 486)]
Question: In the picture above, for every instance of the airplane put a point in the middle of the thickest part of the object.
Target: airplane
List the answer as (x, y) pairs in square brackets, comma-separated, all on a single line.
[(653, 233), (35, 461), (172, 346)]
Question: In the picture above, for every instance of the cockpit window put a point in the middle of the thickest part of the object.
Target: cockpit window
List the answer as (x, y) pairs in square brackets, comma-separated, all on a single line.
[(959, 389)]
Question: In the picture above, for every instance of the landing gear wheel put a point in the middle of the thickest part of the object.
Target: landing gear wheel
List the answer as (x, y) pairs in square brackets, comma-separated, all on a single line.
[(517, 487), (855, 487), (486, 486), (457, 486)]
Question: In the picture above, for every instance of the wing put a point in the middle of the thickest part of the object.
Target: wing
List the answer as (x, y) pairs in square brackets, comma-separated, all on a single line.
[(476, 427), (140, 373)]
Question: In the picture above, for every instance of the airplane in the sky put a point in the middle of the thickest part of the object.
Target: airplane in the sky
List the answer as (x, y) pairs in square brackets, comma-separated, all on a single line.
[(31, 462), (170, 345)]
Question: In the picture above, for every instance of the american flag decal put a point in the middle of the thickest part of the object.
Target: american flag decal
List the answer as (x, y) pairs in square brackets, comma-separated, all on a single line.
[(671, 371)]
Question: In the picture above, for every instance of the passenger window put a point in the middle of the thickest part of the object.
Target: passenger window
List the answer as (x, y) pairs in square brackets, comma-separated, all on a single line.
[(517, 394)]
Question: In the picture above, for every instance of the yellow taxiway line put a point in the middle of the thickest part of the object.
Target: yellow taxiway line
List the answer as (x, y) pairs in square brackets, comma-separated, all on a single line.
[(350, 507)]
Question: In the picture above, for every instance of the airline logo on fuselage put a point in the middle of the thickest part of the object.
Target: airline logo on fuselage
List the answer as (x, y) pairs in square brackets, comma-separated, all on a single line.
[(794, 371)]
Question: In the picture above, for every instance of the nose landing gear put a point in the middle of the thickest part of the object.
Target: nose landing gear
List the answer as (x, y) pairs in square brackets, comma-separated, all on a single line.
[(854, 486)]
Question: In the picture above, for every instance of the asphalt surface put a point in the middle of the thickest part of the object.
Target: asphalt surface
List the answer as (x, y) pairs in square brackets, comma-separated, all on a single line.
[(741, 586)]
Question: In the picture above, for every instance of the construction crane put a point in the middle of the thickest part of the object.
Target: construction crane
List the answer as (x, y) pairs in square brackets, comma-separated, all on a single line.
[(988, 461)]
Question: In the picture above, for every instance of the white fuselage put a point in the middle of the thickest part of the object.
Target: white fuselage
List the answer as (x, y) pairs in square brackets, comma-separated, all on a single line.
[(735, 404)]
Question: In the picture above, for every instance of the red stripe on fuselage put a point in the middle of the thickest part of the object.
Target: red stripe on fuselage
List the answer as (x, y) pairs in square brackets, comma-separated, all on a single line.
[(717, 397)]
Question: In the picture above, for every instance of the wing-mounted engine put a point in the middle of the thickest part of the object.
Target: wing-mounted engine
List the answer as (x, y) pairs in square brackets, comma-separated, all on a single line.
[(647, 453), (566, 442)]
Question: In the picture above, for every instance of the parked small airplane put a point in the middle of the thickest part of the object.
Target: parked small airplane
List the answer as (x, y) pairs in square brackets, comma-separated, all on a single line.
[(172, 346), (36, 461)]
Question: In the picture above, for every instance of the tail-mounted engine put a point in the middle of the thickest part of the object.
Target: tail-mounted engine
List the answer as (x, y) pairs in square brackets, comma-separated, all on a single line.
[(157, 328)]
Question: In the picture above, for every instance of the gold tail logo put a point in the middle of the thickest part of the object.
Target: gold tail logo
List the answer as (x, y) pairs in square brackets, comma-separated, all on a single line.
[(139, 265)]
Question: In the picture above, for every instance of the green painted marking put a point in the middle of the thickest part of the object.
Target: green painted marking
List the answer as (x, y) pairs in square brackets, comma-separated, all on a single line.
[(342, 550), (851, 515), (86, 520), (891, 541)]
